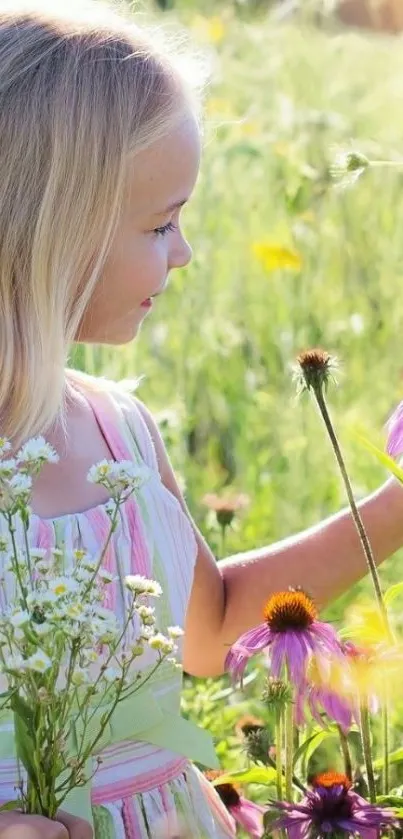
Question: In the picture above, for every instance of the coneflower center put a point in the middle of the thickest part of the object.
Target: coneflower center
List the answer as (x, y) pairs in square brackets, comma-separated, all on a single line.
[(331, 779), (289, 610), (227, 792)]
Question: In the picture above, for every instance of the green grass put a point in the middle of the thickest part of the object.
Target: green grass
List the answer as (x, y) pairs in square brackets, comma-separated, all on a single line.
[(216, 351)]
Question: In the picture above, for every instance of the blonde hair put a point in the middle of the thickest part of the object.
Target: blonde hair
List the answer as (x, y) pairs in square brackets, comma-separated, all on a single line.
[(81, 91)]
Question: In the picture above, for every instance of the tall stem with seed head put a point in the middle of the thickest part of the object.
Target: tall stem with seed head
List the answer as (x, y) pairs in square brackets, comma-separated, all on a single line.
[(354, 510)]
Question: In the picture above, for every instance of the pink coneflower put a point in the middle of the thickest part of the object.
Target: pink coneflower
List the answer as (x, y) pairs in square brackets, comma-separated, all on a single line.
[(226, 506), (394, 426), (248, 814), (321, 699), (331, 808), (291, 635)]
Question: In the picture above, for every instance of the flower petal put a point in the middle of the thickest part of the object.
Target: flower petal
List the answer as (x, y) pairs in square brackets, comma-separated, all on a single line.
[(394, 427), (250, 816)]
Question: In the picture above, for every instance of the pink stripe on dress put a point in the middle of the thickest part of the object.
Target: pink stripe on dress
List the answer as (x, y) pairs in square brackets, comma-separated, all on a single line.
[(138, 783)]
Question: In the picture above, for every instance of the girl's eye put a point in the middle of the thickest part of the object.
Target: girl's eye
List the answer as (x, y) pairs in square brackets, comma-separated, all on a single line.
[(162, 231)]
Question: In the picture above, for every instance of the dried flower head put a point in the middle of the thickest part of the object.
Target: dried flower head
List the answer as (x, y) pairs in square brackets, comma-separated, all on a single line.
[(313, 370), (277, 694), (348, 166), (225, 506)]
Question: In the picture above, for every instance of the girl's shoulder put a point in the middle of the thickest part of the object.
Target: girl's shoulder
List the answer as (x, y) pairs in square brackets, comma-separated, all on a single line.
[(118, 400)]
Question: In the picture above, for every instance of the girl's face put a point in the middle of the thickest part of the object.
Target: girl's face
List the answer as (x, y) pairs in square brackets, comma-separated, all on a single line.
[(149, 241)]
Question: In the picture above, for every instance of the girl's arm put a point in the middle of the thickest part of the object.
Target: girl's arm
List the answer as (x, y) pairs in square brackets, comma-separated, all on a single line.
[(326, 560)]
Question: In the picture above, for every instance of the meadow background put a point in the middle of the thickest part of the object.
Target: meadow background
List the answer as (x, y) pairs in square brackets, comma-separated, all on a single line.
[(282, 261)]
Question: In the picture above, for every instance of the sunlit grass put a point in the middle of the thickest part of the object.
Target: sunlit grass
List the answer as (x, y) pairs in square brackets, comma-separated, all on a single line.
[(281, 262)]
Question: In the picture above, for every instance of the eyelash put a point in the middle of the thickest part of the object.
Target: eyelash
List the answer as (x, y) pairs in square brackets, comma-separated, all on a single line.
[(167, 228)]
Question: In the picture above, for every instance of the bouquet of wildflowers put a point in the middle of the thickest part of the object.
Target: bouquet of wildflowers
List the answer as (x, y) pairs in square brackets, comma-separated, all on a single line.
[(66, 661), (324, 685)]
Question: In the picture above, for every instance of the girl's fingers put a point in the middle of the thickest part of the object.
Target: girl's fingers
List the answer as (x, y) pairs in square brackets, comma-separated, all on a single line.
[(77, 828)]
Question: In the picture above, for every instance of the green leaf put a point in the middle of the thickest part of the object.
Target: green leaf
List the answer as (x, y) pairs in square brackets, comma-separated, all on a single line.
[(381, 456), (390, 800), (256, 775), (309, 746), (10, 805), (24, 744), (394, 757), (22, 710), (392, 592)]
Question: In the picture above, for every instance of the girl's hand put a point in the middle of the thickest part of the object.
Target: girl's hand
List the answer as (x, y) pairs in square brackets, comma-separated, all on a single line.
[(14, 825)]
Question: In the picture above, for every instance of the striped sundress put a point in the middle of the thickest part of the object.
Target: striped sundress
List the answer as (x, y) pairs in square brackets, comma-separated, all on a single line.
[(140, 790)]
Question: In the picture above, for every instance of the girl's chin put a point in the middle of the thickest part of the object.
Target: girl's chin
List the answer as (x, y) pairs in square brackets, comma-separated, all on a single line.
[(123, 333)]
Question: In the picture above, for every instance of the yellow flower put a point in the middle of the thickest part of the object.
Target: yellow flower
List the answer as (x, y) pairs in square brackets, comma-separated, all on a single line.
[(275, 257), (365, 625), (211, 29)]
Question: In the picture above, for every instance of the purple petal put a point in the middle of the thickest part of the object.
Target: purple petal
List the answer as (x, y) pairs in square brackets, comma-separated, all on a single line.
[(324, 633), (336, 709), (251, 642), (249, 815), (394, 426)]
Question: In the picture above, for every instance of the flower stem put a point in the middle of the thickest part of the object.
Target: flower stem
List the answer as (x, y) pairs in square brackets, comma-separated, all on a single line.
[(366, 748), (345, 749), (289, 748), (279, 753), (354, 511), (385, 744), (223, 528)]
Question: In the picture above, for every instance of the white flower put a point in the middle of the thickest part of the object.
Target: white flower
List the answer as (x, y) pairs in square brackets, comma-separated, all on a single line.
[(20, 486), (80, 676), (146, 633), (61, 586), (5, 445), (110, 507), (39, 598), (79, 554), (7, 469), (137, 649), (15, 662), (44, 628), (36, 452), (141, 585), (111, 674), (174, 662), (106, 576), (100, 472), (37, 554), (43, 567), (147, 615), (39, 662), (162, 643), (175, 631), (75, 611), (127, 475), (20, 618), (90, 657)]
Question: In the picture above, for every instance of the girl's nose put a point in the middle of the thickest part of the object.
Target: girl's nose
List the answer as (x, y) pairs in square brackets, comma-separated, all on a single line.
[(180, 255)]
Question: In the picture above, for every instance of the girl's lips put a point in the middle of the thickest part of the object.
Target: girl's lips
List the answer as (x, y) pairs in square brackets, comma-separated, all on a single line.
[(146, 304)]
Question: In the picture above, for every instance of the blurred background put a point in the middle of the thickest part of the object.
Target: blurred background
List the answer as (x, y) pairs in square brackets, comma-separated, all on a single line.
[(282, 261)]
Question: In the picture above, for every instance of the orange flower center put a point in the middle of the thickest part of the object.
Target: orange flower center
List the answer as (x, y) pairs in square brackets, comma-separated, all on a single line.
[(228, 792), (289, 610), (331, 779)]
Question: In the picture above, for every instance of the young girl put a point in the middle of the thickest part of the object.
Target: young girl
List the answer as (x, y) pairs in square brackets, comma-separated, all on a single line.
[(99, 150)]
